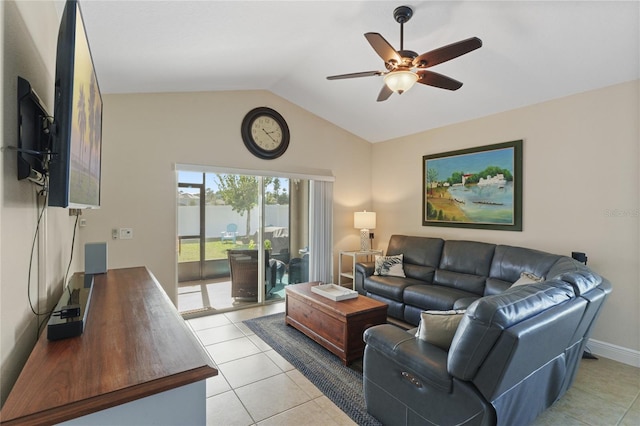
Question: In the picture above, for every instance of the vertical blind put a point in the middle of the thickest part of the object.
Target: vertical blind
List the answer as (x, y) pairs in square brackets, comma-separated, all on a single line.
[(321, 235)]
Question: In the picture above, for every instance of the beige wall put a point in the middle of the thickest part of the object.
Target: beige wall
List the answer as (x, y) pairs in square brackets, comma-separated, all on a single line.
[(581, 188), (145, 135), (29, 32)]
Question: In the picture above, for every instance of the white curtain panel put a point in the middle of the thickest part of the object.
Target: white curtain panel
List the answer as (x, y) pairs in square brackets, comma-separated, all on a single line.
[(321, 235)]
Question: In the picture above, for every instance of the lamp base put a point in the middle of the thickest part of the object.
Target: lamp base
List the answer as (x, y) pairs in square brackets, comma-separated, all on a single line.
[(365, 242)]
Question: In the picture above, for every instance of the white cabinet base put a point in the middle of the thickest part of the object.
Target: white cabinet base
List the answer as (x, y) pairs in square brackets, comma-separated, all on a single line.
[(186, 405)]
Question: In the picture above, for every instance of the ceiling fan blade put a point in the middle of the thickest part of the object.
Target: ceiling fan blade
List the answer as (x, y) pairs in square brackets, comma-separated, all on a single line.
[(354, 75), (447, 52), (383, 48), (434, 79), (384, 94)]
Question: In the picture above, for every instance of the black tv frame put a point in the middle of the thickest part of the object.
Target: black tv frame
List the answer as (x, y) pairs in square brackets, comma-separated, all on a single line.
[(34, 135)]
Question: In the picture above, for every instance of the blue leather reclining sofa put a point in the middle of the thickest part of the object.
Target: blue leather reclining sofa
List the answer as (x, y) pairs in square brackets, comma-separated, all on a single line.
[(515, 352)]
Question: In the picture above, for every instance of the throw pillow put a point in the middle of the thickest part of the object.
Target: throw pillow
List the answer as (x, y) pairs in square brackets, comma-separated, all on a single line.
[(527, 278), (439, 327), (389, 265)]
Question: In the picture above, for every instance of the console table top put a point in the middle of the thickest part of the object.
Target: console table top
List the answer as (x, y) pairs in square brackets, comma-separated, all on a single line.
[(135, 344)]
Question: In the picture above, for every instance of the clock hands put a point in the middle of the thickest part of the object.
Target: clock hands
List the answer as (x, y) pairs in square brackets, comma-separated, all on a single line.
[(269, 134)]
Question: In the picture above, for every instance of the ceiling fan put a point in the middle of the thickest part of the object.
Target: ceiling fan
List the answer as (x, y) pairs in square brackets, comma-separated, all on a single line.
[(406, 67)]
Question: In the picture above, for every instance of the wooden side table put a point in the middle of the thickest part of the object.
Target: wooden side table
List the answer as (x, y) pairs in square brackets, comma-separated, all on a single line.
[(367, 256)]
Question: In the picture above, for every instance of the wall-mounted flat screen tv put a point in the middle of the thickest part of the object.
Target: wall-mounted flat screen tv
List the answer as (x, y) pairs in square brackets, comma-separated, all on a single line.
[(75, 166)]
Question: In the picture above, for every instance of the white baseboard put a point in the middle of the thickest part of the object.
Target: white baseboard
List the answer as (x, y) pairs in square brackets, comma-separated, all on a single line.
[(614, 352)]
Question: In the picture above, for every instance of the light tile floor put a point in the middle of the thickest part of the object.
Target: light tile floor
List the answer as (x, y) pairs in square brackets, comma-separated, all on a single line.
[(213, 295), (256, 386)]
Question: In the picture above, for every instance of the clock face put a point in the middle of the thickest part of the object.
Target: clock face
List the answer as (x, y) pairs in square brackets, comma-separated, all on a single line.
[(265, 133)]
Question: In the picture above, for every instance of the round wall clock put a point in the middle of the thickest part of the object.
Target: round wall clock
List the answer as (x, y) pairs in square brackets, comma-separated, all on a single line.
[(265, 133)]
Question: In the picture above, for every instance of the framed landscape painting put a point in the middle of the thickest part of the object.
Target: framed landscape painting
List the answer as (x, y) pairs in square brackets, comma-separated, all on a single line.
[(474, 188)]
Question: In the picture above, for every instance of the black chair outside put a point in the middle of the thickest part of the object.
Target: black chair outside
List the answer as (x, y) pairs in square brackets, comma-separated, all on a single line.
[(243, 267), (299, 269)]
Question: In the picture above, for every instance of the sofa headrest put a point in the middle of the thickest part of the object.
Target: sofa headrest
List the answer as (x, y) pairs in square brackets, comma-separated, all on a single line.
[(423, 251), (578, 275), (509, 262), (519, 303), (467, 257)]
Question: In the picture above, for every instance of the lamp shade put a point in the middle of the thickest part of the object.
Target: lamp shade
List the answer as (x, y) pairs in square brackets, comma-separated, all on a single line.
[(364, 220), (400, 81)]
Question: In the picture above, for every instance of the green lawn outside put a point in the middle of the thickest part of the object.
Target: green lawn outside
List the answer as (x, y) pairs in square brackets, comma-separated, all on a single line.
[(190, 250)]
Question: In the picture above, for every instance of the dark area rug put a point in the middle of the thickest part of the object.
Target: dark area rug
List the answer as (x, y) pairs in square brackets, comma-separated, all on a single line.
[(341, 384)]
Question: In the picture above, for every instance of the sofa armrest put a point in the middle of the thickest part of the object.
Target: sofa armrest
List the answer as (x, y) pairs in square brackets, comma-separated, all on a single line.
[(422, 359), (362, 271)]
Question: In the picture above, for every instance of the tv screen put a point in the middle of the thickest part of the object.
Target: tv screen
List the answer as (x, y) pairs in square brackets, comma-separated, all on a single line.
[(74, 170)]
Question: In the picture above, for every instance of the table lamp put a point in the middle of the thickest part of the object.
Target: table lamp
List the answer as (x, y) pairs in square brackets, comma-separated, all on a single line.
[(364, 221)]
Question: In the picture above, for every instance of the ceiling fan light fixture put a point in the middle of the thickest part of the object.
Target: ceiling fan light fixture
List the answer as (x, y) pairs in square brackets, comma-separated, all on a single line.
[(400, 81)]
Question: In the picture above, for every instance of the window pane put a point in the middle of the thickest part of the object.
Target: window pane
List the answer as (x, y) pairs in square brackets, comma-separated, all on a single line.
[(189, 250), (190, 177), (220, 237)]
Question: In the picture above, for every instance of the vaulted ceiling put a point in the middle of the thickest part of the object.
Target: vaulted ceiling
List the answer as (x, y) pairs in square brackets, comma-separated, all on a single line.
[(532, 51)]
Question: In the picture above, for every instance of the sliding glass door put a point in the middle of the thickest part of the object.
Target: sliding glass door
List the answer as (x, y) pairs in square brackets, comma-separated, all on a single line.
[(243, 241)]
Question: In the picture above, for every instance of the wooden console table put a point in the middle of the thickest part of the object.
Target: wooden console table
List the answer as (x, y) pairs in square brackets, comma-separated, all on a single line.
[(135, 347)]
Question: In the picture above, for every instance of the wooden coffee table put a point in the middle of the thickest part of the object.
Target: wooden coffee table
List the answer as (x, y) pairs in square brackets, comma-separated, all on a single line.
[(338, 326)]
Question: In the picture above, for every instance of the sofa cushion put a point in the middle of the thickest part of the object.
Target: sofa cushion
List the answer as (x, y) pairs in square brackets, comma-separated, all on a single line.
[(470, 283), (389, 287), (411, 315), (433, 297), (465, 302), (495, 286), (467, 257), (421, 255), (395, 309), (389, 265), (439, 327), (422, 273), (509, 262)]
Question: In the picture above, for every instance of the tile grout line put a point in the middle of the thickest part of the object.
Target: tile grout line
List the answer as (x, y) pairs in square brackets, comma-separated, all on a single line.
[(255, 422), (630, 407)]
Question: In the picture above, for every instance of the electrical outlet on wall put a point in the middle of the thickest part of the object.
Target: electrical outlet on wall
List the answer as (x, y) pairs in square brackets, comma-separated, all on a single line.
[(126, 233), (114, 234)]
